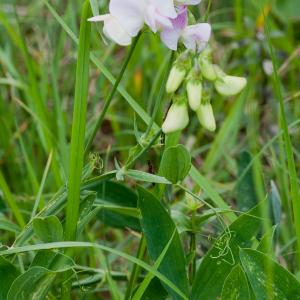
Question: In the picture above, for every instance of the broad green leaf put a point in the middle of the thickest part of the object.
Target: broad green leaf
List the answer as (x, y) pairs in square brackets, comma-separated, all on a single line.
[(281, 285), (155, 291), (219, 261), (48, 229), (245, 189), (33, 284), (175, 164), (52, 261), (158, 228), (147, 280), (113, 194), (236, 285), (146, 177), (8, 273)]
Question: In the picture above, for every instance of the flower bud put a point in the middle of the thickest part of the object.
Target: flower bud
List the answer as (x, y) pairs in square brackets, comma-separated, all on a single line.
[(230, 85), (177, 118), (208, 70), (175, 79), (206, 116), (194, 92)]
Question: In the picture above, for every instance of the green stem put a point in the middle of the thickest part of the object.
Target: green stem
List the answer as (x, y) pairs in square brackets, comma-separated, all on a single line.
[(136, 269), (140, 154), (295, 196), (111, 96), (78, 133), (160, 95)]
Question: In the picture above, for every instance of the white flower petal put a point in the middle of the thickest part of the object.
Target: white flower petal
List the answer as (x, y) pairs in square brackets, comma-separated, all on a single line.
[(197, 35), (130, 14), (170, 38), (177, 118), (230, 85), (114, 31), (187, 2), (165, 7), (100, 18)]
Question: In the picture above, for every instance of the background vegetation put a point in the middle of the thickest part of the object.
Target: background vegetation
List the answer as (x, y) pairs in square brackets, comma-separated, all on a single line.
[(182, 240)]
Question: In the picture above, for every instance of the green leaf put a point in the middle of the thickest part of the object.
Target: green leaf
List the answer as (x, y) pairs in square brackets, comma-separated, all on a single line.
[(245, 189), (275, 204), (218, 201), (175, 163), (71, 245), (33, 284), (118, 195), (52, 261), (219, 261), (147, 280), (8, 273), (146, 177), (6, 225), (267, 242), (48, 229), (158, 228), (236, 285), (155, 291), (281, 285)]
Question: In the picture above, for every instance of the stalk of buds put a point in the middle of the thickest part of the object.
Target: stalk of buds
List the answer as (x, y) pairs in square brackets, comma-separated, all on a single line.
[(194, 88), (206, 116), (177, 117), (178, 72)]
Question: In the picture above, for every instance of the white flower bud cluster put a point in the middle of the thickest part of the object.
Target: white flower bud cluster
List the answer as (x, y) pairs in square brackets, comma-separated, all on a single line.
[(198, 98)]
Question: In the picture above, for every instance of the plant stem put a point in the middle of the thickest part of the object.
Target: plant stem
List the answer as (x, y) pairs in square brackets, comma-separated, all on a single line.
[(78, 132), (136, 269), (295, 196), (160, 95), (111, 96)]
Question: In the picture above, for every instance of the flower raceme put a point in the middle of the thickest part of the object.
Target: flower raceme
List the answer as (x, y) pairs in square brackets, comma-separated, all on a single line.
[(126, 19)]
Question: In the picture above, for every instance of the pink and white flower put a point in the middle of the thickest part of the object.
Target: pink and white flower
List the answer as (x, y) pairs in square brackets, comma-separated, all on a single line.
[(194, 37), (127, 18)]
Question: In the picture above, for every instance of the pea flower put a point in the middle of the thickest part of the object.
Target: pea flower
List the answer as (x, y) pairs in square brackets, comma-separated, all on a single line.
[(177, 117), (194, 37), (206, 116), (178, 72), (127, 17), (227, 85), (194, 88)]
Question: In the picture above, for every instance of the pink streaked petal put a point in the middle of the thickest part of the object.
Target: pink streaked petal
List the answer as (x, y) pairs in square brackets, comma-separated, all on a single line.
[(99, 18), (170, 38), (130, 14), (196, 36), (187, 2), (180, 22)]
